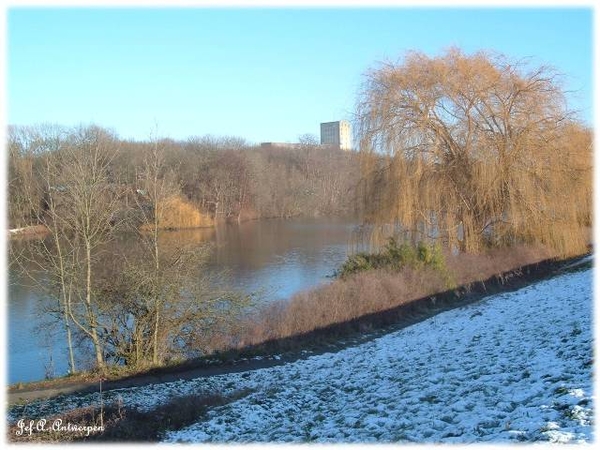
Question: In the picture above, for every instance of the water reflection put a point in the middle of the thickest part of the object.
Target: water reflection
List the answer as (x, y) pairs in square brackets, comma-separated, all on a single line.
[(274, 258), (281, 257)]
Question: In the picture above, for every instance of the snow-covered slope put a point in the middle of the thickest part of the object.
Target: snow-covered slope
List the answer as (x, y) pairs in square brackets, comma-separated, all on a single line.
[(513, 367)]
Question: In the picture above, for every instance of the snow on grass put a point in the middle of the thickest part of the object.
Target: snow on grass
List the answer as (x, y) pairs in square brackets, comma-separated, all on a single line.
[(513, 367)]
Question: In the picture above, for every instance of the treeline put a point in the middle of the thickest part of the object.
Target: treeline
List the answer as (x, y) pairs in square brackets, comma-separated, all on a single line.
[(225, 179)]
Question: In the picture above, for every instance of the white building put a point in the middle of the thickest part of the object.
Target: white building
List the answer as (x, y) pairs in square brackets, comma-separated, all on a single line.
[(337, 134)]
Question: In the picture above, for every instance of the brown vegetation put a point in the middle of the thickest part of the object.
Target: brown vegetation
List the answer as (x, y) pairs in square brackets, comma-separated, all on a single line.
[(138, 307), (121, 423), (77, 207), (476, 150), (177, 213), (33, 230), (225, 179), (373, 291), (369, 301)]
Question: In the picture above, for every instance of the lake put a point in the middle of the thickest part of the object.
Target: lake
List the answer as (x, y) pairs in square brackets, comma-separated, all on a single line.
[(276, 258)]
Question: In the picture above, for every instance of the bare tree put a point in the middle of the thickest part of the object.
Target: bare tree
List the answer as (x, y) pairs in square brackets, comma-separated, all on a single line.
[(78, 212), (470, 148), (157, 188), (88, 203), (159, 298), (49, 264)]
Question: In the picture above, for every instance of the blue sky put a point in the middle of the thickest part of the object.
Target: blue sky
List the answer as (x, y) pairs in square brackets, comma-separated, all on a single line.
[(261, 74)]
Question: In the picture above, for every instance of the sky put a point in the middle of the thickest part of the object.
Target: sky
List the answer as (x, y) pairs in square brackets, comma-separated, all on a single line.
[(263, 74)]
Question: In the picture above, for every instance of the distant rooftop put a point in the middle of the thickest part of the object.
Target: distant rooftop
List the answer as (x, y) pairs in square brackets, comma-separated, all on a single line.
[(280, 145)]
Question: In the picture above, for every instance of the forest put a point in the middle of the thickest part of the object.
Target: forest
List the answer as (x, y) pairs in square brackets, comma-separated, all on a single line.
[(219, 178)]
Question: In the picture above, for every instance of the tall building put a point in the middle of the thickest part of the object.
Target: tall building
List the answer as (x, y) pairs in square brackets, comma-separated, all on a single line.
[(337, 134)]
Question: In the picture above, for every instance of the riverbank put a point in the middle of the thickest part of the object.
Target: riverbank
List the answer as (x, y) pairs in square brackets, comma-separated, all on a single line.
[(516, 367), (292, 348)]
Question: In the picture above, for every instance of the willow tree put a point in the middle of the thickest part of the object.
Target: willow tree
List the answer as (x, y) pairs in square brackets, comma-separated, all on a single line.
[(474, 149)]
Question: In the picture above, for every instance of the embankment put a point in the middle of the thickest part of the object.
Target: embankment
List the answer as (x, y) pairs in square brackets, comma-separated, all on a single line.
[(324, 339)]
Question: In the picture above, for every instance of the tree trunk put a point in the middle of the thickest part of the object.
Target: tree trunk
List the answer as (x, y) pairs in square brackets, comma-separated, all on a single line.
[(91, 315), (72, 368), (65, 302), (156, 322)]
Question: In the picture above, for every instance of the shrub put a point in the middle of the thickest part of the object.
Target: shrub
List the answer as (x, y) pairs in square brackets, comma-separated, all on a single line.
[(359, 262), (397, 256)]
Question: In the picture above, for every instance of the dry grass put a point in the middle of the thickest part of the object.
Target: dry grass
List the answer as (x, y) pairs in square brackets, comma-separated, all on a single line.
[(469, 268), (374, 291), (177, 213), (121, 423), (362, 294)]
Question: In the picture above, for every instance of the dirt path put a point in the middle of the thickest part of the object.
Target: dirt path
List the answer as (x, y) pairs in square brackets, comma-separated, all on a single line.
[(315, 343), (24, 395)]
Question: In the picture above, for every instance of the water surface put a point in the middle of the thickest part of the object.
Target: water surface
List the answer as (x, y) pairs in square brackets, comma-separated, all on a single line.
[(275, 258)]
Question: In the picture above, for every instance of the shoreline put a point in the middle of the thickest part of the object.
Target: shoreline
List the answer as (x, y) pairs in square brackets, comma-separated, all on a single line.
[(331, 338)]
